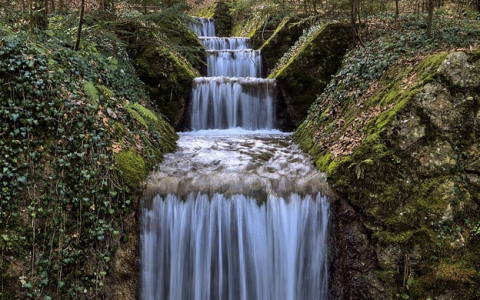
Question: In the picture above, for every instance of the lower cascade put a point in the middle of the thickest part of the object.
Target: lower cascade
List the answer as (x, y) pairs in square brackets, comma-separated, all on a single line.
[(238, 212), (217, 247)]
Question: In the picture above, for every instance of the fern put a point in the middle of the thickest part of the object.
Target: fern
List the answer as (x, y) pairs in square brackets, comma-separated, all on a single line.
[(90, 91), (104, 91), (144, 111), (136, 115)]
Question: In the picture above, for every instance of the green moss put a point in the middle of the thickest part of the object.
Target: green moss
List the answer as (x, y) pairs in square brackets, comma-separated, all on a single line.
[(298, 53), (323, 162), (427, 68), (456, 273), (274, 34), (168, 79), (247, 26), (204, 12), (310, 69), (395, 237), (132, 168)]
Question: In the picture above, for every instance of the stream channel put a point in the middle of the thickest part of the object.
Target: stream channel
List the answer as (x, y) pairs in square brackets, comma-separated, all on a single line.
[(238, 212)]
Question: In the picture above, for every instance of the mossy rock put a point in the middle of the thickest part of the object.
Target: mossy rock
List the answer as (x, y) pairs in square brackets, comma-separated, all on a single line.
[(309, 71), (162, 135), (223, 19), (168, 81), (404, 169), (132, 168), (275, 38), (247, 24), (160, 65)]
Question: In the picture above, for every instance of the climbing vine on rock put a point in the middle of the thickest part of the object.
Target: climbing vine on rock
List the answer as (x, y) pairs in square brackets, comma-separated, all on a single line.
[(64, 117)]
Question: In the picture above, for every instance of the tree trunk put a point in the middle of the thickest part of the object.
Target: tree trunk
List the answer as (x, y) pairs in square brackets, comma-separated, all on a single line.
[(397, 12), (113, 7), (80, 23), (30, 12), (430, 6)]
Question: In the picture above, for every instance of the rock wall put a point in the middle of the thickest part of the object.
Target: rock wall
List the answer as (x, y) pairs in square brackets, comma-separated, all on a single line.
[(275, 38), (308, 71), (406, 160)]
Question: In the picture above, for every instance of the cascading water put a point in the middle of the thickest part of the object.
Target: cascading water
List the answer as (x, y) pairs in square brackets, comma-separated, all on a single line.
[(233, 94), (236, 214)]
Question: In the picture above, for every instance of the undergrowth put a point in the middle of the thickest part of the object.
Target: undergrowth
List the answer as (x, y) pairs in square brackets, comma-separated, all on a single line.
[(387, 45), (63, 117)]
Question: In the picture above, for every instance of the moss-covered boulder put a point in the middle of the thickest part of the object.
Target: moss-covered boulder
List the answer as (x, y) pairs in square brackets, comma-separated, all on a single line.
[(168, 78), (309, 70), (222, 18), (167, 56), (405, 158), (275, 39)]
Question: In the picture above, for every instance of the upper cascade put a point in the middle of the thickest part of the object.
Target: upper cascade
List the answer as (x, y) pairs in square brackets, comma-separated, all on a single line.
[(224, 99), (226, 43), (203, 27)]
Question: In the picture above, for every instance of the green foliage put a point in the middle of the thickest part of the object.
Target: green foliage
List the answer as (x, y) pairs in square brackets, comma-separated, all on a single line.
[(144, 111), (385, 48), (90, 91), (63, 116)]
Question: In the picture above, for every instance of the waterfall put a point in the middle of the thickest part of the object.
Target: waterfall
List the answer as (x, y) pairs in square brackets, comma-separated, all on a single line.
[(219, 248), (239, 99), (239, 63), (203, 27), (222, 102), (236, 213), (225, 43)]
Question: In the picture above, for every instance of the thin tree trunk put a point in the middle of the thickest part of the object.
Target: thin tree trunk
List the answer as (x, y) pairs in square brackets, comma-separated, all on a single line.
[(353, 17), (113, 8), (397, 12), (430, 6), (30, 11), (80, 23)]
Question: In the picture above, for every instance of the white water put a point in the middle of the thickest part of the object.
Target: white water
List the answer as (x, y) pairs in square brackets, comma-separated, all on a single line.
[(203, 27), (233, 94), (238, 212), (223, 102), (225, 43), (240, 63), (218, 247)]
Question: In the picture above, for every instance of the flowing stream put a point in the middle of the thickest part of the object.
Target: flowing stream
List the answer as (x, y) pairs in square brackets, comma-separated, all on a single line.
[(238, 212)]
